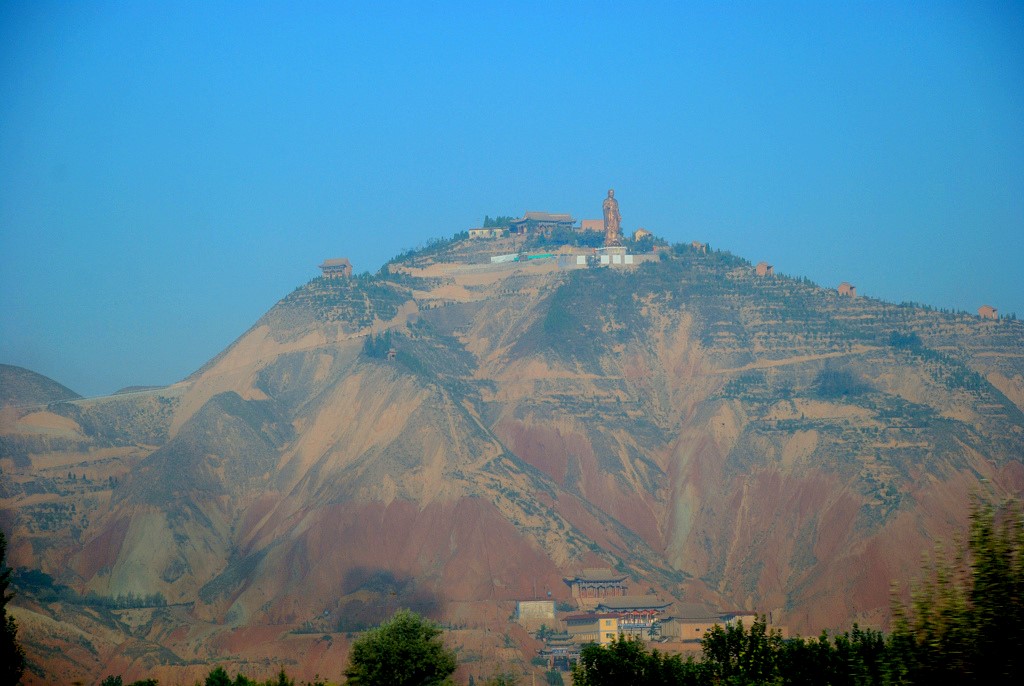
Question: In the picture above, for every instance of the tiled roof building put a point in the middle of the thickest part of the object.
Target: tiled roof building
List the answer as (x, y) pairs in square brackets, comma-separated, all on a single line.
[(337, 268)]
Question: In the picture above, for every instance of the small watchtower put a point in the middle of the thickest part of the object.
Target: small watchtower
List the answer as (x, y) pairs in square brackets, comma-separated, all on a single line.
[(337, 268)]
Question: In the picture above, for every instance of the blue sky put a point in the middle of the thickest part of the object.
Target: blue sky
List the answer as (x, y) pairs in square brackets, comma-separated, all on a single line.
[(169, 170)]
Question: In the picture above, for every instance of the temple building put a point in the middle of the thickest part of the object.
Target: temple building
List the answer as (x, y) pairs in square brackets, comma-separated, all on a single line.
[(592, 225), (847, 289), (764, 269), (592, 627), (337, 268), (591, 585), (533, 222), (560, 650), (641, 233), (699, 247), (690, 622), (636, 614), (988, 312)]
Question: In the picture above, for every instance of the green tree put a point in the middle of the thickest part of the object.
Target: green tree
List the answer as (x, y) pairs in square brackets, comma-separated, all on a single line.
[(12, 657), (281, 680), (116, 680), (499, 222), (733, 654), (626, 661), (218, 676), (806, 662), (966, 617), (996, 596), (861, 656), (405, 650)]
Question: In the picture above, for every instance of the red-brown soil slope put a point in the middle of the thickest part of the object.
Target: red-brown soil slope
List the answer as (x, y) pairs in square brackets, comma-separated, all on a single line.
[(452, 435)]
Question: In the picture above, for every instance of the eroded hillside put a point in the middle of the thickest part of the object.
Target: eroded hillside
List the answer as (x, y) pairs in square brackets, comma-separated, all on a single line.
[(453, 435)]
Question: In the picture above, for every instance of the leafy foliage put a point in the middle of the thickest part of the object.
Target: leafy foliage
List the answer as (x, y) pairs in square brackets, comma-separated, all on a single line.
[(405, 650), (12, 657), (116, 680), (562, 236), (857, 657), (626, 661), (219, 676), (643, 245), (499, 222), (736, 655), (966, 618), (377, 346), (733, 653)]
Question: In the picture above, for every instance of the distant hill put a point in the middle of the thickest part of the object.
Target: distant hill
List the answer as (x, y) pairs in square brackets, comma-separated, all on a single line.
[(20, 386), (453, 435)]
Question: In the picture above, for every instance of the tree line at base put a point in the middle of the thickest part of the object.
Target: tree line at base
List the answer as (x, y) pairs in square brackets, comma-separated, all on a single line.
[(964, 624)]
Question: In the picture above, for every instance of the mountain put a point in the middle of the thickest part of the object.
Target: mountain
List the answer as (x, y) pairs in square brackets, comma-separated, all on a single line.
[(19, 386), (453, 435)]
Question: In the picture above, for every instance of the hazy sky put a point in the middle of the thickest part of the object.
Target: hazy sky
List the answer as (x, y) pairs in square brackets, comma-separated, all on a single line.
[(168, 171)]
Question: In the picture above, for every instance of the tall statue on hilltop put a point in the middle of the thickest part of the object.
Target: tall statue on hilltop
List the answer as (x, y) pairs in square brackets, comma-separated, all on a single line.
[(612, 220)]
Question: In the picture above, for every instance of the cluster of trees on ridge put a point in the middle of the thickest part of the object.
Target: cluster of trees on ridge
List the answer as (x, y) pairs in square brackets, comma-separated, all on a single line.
[(964, 624)]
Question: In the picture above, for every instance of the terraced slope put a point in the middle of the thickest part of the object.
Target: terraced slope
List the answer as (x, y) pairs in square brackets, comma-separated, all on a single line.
[(453, 435)]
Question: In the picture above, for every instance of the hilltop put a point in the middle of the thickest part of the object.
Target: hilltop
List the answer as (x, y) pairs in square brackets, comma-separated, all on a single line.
[(453, 435), (21, 387)]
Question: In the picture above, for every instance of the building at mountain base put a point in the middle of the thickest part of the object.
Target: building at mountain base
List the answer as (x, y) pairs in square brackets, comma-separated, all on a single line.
[(637, 615), (600, 628)]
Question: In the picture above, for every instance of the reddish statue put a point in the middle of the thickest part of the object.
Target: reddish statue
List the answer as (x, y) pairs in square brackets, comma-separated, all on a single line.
[(612, 220)]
